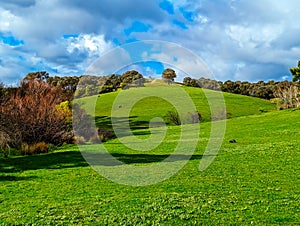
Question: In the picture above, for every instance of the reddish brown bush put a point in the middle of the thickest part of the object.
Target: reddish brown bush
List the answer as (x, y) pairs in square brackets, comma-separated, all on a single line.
[(30, 115)]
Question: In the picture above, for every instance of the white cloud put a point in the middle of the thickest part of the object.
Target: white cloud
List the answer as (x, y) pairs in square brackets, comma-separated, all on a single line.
[(109, 63), (93, 44), (6, 20), (254, 36), (184, 60), (258, 34)]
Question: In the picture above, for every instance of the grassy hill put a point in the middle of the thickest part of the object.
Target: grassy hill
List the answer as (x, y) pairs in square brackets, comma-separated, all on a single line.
[(154, 106), (253, 181)]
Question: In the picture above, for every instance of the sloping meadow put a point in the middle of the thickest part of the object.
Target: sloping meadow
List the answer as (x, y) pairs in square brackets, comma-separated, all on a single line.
[(252, 181)]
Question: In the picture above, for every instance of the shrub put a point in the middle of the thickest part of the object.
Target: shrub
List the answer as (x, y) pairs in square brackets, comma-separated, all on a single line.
[(65, 109), (289, 96), (29, 115), (195, 117), (4, 144), (104, 134), (220, 115), (52, 147), (4, 140), (83, 124), (173, 116), (107, 89)]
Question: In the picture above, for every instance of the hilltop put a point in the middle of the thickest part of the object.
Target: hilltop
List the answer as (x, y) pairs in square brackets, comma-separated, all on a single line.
[(154, 106)]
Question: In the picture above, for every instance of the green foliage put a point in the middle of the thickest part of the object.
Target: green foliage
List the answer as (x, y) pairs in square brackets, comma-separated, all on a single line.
[(107, 89), (131, 78), (295, 71), (89, 85), (169, 75), (114, 80), (260, 89), (68, 83), (188, 81), (65, 109)]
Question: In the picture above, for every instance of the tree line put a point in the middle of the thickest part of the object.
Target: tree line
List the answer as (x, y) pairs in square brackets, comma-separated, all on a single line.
[(260, 89)]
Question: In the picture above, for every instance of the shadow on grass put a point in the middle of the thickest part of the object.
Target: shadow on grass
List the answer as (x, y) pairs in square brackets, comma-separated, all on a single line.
[(146, 158), (105, 122), (54, 160), (15, 178), (102, 159), (71, 159)]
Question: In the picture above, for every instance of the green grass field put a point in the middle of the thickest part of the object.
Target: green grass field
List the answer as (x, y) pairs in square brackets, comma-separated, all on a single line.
[(254, 181), (154, 106)]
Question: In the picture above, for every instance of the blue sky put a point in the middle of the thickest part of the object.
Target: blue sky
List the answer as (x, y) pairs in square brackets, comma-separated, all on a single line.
[(237, 39)]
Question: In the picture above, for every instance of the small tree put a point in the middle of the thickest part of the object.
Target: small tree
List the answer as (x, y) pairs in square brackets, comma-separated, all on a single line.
[(132, 76), (169, 75), (295, 71)]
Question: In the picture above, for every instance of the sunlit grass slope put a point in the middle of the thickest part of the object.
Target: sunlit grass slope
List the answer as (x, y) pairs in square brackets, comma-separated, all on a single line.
[(254, 181), (154, 106)]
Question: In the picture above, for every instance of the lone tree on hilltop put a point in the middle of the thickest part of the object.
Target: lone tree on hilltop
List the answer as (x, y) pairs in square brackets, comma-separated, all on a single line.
[(169, 75), (132, 76)]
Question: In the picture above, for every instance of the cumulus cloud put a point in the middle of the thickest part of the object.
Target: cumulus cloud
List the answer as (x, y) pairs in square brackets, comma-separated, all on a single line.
[(7, 19), (43, 24), (110, 63), (244, 40), (92, 44), (184, 60), (235, 38)]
